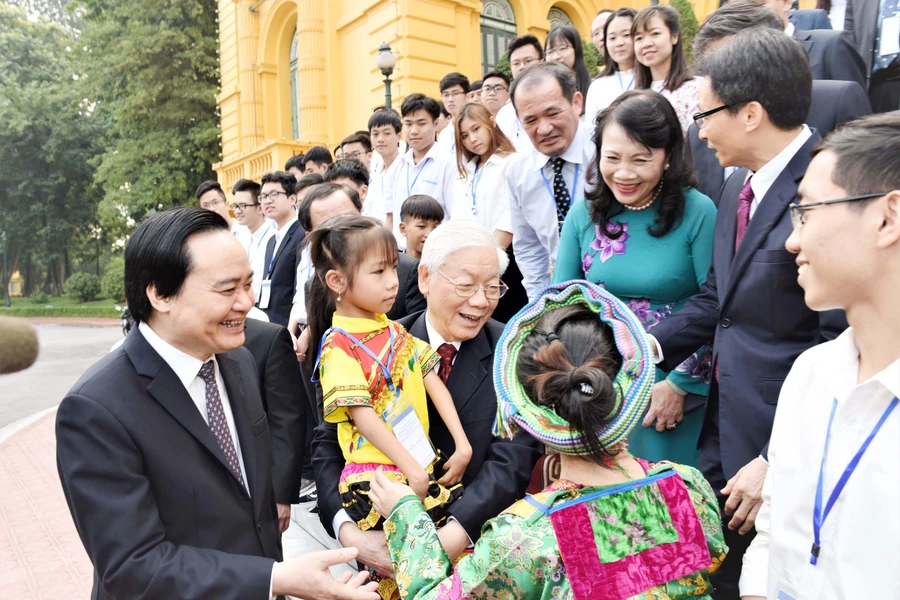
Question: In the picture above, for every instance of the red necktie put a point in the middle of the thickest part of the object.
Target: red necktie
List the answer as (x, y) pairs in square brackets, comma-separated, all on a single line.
[(446, 352), (745, 199)]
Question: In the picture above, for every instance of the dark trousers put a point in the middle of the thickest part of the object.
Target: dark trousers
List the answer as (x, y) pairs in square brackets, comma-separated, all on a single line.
[(884, 90)]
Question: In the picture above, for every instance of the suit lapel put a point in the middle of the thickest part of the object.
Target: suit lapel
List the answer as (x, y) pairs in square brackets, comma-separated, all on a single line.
[(726, 229), (270, 249), (468, 370), (285, 242), (234, 385)]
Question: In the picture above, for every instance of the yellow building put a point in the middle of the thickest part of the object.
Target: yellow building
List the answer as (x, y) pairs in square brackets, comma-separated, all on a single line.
[(300, 73)]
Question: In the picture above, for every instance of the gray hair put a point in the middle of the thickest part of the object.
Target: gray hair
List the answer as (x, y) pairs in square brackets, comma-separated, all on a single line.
[(537, 74), (455, 235), (730, 20)]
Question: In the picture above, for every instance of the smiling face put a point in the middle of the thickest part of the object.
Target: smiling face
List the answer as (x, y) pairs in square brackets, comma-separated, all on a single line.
[(459, 319), (252, 216), (619, 43), (214, 200), (419, 128), (549, 119), (207, 316), (629, 169), (653, 46)]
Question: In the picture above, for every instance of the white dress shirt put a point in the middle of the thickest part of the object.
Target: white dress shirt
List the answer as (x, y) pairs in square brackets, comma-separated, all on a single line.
[(432, 176), (256, 252), (373, 203), (604, 90), (483, 195), (446, 141), (305, 270), (860, 539), (241, 233), (533, 210), (764, 178), (508, 122)]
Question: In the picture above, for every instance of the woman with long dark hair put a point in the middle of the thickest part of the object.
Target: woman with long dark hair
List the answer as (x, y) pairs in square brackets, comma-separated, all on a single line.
[(617, 76), (646, 234), (564, 45)]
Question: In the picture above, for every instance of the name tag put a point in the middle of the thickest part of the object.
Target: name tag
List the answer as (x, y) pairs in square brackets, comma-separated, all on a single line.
[(890, 36), (411, 435), (265, 291)]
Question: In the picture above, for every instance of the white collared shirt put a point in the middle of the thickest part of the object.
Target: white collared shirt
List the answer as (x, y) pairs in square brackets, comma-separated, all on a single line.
[(241, 232), (789, 30), (508, 122), (860, 539), (279, 236), (764, 178), (533, 210), (187, 369), (483, 196), (305, 270), (256, 252), (446, 140), (604, 90), (379, 177)]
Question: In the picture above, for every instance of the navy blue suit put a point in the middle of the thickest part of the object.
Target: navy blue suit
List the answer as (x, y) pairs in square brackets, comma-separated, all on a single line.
[(812, 18)]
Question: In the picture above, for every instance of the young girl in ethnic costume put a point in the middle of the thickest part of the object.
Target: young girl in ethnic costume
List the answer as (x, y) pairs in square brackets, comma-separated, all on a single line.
[(375, 375)]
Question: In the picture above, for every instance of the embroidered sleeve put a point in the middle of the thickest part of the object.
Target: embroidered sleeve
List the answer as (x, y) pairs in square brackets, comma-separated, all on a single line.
[(343, 384), (427, 358)]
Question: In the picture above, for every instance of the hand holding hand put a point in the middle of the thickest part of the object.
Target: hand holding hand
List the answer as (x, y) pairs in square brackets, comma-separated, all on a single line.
[(385, 493), (745, 495), (455, 466), (371, 545), (308, 576), (284, 516), (666, 408), (301, 344)]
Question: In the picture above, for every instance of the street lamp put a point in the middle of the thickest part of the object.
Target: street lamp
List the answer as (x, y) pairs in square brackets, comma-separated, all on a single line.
[(5, 268), (386, 61)]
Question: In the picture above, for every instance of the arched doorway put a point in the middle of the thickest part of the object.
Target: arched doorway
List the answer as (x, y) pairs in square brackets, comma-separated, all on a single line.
[(557, 17), (498, 26)]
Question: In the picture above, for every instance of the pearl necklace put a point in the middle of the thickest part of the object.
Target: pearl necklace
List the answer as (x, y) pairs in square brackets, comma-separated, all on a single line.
[(649, 204)]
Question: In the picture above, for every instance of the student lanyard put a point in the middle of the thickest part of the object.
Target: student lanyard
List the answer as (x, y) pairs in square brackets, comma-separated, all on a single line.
[(476, 178), (409, 188), (818, 515), (274, 255), (622, 85), (385, 370), (572, 191)]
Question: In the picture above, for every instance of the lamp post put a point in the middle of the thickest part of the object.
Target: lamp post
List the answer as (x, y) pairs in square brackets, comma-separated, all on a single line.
[(386, 61), (5, 268)]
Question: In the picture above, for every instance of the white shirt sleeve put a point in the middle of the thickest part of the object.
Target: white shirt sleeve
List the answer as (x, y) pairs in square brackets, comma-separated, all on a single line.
[(339, 519), (533, 259), (272, 583), (755, 572)]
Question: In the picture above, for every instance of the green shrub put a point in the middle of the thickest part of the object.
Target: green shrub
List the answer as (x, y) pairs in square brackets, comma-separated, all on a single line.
[(40, 298), (689, 27), (112, 285), (592, 58), (503, 66), (83, 287)]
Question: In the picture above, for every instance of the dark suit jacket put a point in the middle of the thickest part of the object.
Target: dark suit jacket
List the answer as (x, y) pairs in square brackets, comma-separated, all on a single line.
[(500, 468), (809, 19), (833, 104), (832, 56), (283, 273), (861, 24), (284, 400), (754, 310), (157, 508)]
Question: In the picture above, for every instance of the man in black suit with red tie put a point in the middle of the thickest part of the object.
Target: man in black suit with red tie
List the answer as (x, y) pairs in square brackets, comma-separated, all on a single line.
[(753, 100), (163, 447)]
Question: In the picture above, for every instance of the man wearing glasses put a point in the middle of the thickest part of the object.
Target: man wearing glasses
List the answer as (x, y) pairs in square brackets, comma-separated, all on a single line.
[(754, 99), (248, 212), (210, 196), (454, 88), (495, 91), (524, 51), (278, 202)]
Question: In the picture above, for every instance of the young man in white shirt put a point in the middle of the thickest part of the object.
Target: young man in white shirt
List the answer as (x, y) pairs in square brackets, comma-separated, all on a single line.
[(211, 196), (524, 51), (248, 212), (829, 530), (384, 131), (454, 89), (495, 91)]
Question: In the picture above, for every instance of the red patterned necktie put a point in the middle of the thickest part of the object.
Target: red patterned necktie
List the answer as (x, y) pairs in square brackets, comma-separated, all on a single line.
[(217, 422), (446, 352), (745, 199)]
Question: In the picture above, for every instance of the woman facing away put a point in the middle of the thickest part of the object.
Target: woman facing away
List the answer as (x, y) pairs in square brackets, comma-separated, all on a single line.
[(563, 44), (574, 368), (646, 235), (662, 66), (617, 76)]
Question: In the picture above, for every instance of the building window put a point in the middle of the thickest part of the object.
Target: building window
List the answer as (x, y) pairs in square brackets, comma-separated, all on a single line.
[(557, 18), (498, 26), (295, 90)]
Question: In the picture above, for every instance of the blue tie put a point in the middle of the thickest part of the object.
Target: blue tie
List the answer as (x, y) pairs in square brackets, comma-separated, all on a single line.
[(888, 9)]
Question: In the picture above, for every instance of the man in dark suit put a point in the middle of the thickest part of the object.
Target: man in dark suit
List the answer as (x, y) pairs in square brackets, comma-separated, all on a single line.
[(459, 327), (810, 19), (287, 408), (163, 446), (864, 23), (283, 250), (751, 305)]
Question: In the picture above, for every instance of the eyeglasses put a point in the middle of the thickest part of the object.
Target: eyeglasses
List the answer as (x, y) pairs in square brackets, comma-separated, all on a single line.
[(700, 117), (517, 64), (355, 155), (467, 290), (242, 207), (554, 52), (798, 211), (211, 204), (271, 196), (453, 94), (493, 89)]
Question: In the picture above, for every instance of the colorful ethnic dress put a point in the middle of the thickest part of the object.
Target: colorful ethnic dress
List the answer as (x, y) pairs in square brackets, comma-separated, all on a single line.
[(375, 363), (657, 538)]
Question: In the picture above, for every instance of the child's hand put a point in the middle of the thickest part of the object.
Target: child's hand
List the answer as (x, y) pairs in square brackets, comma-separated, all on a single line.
[(301, 344), (385, 493), (456, 465), (419, 483)]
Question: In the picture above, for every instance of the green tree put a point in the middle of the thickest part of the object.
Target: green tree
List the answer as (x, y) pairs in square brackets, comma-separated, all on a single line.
[(592, 58), (153, 70), (689, 26)]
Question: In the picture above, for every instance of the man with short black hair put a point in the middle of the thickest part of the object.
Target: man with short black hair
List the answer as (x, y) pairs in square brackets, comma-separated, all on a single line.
[(384, 131), (248, 212), (350, 172), (524, 51), (474, 94), (316, 160), (358, 147), (454, 90), (282, 252), (495, 91), (295, 165), (210, 196)]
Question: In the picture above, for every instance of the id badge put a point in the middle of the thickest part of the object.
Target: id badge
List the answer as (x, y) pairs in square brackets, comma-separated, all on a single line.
[(265, 291), (411, 435), (890, 36), (786, 591)]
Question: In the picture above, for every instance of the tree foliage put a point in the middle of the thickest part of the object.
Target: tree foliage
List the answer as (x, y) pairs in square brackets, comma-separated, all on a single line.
[(689, 26)]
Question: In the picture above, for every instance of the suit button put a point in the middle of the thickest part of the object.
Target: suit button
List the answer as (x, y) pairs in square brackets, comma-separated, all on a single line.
[(725, 323)]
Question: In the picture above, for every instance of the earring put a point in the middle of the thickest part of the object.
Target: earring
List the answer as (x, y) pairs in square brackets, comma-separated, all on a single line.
[(339, 298), (667, 167)]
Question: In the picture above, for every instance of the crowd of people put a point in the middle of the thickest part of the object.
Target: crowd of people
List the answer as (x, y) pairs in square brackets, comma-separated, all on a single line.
[(548, 336)]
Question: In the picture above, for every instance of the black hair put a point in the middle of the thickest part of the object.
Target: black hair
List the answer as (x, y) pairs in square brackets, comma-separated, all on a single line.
[(319, 155), (297, 161), (285, 179), (679, 71), (308, 180), (385, 117), (476, 85), (421, 206), (320, 192), (444, 110), (246, 185), (521, 41), (208, 186), (535, 74), (570, 34), (731, 19), (569, 363), (416, 102), (609, 65), (359, 138), (341, 244), (157, 255), (497, 74), (765, 66), (348, 168), (649, 119), (450, 80)]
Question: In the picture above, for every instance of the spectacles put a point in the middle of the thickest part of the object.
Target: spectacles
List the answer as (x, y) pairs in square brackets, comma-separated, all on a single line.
[(700, 117), (554, 52), (467, 290), (355, 155), (211, 204), (516, 64), (242, 207), (493, 89), (452, 94), (798, 211), (271, 196)]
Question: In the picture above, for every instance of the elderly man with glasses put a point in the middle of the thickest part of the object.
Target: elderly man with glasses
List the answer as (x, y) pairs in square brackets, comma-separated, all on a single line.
[(460, 277)]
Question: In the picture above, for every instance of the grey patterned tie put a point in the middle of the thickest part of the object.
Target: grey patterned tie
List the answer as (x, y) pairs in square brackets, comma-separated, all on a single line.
[(217, 422), (560, 190)]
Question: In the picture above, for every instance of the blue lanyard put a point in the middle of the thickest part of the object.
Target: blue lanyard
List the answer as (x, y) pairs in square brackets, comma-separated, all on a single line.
[(819, 516), (571, 193), (622, 85), (409, 188), (385, 368), (476, 178), (272, 260)]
